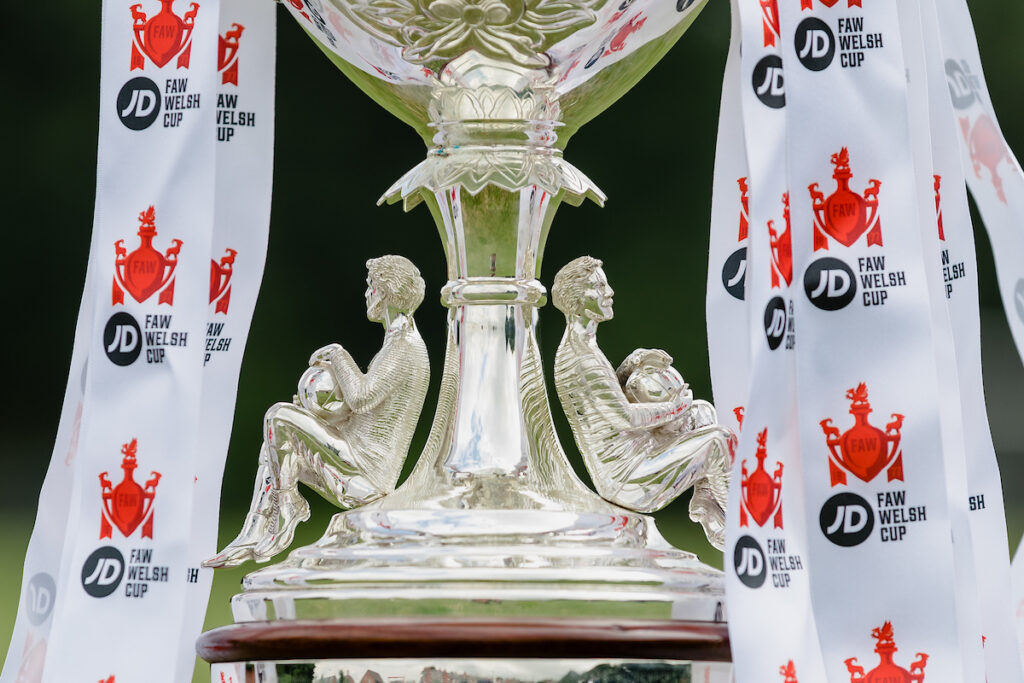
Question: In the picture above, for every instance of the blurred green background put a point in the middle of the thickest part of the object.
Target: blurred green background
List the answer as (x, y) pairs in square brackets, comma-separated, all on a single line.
[(336, 151)]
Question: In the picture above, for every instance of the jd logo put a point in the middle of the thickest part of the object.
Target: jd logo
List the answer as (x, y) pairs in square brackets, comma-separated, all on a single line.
[(138, 103), (962, 89), (769, 85), (748, 559), (1018, 299), (775, 322), (830, 284), (815, 44), (734, 273), (683, 5), (122, 339), (41, 592), (102, 571), (846, 519)]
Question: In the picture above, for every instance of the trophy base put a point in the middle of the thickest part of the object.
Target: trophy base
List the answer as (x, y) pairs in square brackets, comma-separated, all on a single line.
[(485, 564), (462, 651)]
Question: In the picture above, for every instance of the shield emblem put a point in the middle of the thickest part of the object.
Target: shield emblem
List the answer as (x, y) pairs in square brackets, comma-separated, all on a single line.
[(145, 271), (845, 215), (128, 504), (761, 495), (164, 36), (864, 450), (220, 281)]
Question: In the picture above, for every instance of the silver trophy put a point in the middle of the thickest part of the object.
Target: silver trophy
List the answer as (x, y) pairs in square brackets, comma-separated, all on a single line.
[(492, 523)]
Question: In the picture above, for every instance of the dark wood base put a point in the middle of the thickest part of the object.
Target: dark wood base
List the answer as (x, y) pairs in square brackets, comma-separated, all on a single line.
[(505, 639)]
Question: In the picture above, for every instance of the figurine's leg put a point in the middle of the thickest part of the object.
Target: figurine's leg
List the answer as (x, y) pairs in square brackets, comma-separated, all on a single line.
[(260, 521)]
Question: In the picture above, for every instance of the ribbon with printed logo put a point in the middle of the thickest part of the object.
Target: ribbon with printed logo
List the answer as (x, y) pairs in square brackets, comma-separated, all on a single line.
[(176, 259), (890, 438)]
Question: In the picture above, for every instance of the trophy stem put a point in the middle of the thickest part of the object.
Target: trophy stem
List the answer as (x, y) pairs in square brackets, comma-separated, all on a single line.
[(493, 443)]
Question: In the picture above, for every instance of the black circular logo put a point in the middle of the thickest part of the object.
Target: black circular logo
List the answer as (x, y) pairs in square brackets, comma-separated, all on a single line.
[(138, 103), (769, 86), (42, 590), (846, 519), (830, 284), (775, 322), (683, 5), (734, 273), (961, 91), (102, 571), (1018, 299), (815, 44), (122, 339), (748, 559)]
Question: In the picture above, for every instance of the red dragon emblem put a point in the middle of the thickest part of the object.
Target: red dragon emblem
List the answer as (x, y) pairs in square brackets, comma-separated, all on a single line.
[(788, 672), (987, 149), (887, 671), (220, 280), (744, 209), (145, 271), (770, 19), (227, 54), (938, 207), (782, 248), (163, 36), (128, 505), (863, 450), (761, 495), (845, 215)]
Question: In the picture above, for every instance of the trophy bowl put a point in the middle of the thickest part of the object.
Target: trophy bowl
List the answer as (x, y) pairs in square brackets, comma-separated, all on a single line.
[(492, 527)]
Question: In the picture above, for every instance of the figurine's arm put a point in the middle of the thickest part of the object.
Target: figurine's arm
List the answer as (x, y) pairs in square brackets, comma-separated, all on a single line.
[(364, 392)]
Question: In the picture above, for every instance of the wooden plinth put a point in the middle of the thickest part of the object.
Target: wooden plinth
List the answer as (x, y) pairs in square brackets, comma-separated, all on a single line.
[(506, 639)]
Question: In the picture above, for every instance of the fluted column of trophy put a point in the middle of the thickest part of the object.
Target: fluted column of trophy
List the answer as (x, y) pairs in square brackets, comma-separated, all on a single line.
[(492, 520)]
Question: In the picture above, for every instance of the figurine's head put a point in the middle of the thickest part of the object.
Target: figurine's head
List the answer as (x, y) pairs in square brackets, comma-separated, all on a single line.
[(581, 288), (392, 282)]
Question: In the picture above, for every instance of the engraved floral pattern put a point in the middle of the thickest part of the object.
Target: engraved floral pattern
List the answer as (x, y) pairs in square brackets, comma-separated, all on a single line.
[(515, 30)]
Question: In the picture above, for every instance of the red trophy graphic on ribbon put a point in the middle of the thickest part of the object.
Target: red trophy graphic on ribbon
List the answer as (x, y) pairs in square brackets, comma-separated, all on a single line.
[(887, 670), (761, 495), (744, 209), (788, 672), (845, 215), (227, 54), (220, 281), (128, 504), (863, 450), (782, 248), (618, 43), (987, 149), (770, 18), (809, 4), (163, 36), (938, 207), (145, 271)]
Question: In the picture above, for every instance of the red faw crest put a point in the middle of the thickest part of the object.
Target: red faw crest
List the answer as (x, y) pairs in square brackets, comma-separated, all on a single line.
[(220, 280), (761, 493), (770, 19), (938, 206), (227, 54), (987, 149), (863, 450), (163, 36), (782, 248), (128, 504), (145, 271), (845, 215), (887, 671), (788, 672), (809, 4), (744, 209)]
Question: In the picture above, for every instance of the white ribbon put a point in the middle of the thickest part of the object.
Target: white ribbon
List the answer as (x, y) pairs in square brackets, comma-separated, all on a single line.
[(124, 516)]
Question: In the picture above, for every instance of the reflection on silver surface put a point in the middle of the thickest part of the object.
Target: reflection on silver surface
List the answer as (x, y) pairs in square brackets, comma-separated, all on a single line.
[(479, 670), (492, 520), (643, 437)]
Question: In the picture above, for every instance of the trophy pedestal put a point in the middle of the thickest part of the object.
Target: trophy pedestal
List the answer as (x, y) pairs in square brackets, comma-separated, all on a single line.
[(468, 650)]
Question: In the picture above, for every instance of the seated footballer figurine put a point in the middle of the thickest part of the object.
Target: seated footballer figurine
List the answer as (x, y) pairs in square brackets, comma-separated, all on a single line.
[(345, 434), (643, 438)]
